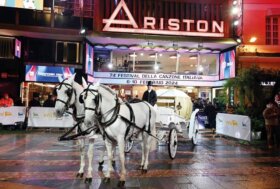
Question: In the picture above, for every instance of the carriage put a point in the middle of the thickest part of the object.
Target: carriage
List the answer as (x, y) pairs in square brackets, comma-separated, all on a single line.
[(170, 125)]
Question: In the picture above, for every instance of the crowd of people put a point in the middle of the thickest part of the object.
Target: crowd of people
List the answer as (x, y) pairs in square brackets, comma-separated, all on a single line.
[(7, 101)]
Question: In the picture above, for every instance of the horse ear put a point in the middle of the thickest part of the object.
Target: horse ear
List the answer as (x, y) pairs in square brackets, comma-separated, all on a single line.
[(71, 79), (84, 83)]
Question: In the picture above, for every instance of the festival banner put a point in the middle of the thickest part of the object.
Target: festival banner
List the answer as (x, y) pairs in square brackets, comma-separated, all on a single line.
[(159, 79), (11, 115), (236, 126), (45, 117)]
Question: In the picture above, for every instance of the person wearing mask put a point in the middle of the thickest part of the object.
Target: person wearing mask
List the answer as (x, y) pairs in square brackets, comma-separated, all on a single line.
[(50, 102), (271, 115), (150, 95), (35, 100), (6, 101)]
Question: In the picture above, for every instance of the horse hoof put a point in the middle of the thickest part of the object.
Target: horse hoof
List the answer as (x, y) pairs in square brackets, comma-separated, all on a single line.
[(141, 167), (80, 175), (144, 171), (106, 180), (88, 180), (101, 163), (121, 183), (113, 163), (100, 168)]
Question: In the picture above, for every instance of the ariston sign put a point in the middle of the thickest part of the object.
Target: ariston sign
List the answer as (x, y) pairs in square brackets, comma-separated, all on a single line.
[(174, 25)]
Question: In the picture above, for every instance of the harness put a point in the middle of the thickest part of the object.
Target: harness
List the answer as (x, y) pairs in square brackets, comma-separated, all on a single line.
[(79, 119), (115, 110)]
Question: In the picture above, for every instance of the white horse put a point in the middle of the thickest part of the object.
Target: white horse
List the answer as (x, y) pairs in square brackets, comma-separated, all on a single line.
[(68, 92), (119, 121)]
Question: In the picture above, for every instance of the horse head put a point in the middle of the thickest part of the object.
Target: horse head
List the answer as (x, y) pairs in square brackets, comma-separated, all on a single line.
[(90, 97), (65, 97)]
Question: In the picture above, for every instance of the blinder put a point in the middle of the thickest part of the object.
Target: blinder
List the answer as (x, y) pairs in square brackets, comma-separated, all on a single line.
[(81, 100)]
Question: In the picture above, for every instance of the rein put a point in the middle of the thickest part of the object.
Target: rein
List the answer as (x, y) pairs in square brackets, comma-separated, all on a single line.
[(69, 92)]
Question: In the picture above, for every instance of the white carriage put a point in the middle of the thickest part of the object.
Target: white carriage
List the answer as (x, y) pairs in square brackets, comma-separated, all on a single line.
[(174, 119)]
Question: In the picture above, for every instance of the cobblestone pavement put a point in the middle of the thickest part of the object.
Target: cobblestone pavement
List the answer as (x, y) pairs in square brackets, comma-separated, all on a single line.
[(38, 160)]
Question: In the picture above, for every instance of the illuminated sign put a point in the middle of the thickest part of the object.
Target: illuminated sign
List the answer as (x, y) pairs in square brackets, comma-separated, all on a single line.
[(174, 25), (25, 4), (18, 48), (157, 79), (47, 73), (227, 65), (89, 59)]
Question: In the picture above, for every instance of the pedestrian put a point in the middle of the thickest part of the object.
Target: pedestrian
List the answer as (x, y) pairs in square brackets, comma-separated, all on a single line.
[(211, 113), (271, 115), (150, 95), (6, 101), (50, 102), (35, 100)]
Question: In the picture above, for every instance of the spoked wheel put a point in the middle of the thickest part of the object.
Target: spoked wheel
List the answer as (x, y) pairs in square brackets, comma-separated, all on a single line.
[(173, 143), (195, 132), (128, 145)]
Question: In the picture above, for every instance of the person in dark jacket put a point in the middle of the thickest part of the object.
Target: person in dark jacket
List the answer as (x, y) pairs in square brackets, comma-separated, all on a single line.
[(50, 102), (211, 113), (35, 101), (271, 114), (150, 95)]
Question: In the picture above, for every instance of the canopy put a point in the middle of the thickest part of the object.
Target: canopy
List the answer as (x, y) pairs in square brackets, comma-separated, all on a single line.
[(179, 97)]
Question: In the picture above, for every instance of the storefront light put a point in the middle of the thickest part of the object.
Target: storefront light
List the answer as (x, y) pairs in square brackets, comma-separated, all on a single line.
[(182, 49), (236, 22), (158, 49), (216, 51), (205, 51), (253, 39), (110, 66), (200, 68), (193, 50), (234, 10), (141, 54), (156, 67), (160, 54), (234, 2)]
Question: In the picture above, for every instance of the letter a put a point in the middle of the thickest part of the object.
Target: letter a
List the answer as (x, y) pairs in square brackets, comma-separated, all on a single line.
[(112, 19)]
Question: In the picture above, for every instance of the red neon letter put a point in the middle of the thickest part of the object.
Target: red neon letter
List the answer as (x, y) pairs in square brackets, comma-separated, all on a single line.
[(173, 24), (149, 21), (189, 22)]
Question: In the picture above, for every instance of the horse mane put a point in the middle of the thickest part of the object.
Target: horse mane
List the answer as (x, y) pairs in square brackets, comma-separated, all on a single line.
[(108, 89), (78, 78)]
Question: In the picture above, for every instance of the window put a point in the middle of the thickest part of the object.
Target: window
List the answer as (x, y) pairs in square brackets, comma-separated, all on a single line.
[(67, 52), (272, 25)]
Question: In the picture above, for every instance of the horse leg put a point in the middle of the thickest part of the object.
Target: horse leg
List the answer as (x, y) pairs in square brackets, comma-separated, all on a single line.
[(90, 158), (102, 155), (80, 174), (108, 145), (114, 155), (121, 143), (147, 146), (143, 153)]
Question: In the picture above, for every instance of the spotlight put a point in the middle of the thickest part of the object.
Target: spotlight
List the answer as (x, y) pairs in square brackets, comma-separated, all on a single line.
[(234, 10), (156, 67), (253, 39), (236, 22), (110, 66), (238, 40), (234, 2), (82, 31)]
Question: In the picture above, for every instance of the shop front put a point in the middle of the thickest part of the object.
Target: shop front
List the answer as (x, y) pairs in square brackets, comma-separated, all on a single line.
[(186, 45), (42, 80)]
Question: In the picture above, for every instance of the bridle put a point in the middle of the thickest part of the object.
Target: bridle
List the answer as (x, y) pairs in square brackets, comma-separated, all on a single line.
[(69, 92), (98, 99)]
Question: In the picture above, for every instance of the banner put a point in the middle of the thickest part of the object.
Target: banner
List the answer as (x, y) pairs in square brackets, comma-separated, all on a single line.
[(25, 4), (11, 115), (47, 73), (45, 117), (236, 126), (157, 79)]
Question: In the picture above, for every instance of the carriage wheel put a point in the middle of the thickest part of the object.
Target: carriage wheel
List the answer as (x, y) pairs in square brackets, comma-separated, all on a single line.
[(195, 132), (128, 145), (173, 143)]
